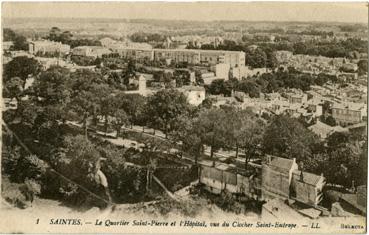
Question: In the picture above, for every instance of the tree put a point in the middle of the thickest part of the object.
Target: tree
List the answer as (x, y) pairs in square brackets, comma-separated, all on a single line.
[(54, 34), (210, 127), (185, 132), (330, 121), (344, 161), (287, 137), (182, 77), (130, 71), (133, 105), (28, 111), (66, 37), (108, 107), (88, 89), (272, 61), (321, 79), (21, 67), (20, 43), (207, 103), (299, 48), (120, 119), (8, 35), (220, 87), (51, 90), (337, 139), (362, 67), (249, 87), (14, 88), (256, 58), (164, 108), (84, 105), (248, 132), (53, 86), (77, 158)]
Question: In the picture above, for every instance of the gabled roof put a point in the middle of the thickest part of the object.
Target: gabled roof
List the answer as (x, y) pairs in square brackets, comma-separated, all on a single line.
[(192, 88), (307, 177), (279, 162), (352, 200), (324, 130), (358, 125)]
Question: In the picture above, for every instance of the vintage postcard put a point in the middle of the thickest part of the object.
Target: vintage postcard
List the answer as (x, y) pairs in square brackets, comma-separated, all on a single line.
[(184, 117)]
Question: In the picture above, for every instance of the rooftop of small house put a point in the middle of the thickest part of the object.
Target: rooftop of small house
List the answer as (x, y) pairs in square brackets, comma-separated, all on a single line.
[(307, 177), (192, 88), (279, 162), (351, 199), (350, 105), (324, 129)]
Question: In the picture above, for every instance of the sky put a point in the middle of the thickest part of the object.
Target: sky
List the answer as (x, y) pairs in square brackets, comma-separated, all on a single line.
[(202, 11)]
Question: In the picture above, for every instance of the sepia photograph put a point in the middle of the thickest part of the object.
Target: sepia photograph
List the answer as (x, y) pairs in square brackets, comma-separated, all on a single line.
[(184, 117)]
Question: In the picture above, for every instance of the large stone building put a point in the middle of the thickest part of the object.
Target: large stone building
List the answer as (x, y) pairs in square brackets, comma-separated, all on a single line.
[(91, 51), (277, 176), (45, 47), (349, 113), (207, 57), (307, 188)]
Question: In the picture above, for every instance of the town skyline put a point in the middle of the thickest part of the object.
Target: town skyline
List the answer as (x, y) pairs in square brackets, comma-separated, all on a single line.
[(194, 11)]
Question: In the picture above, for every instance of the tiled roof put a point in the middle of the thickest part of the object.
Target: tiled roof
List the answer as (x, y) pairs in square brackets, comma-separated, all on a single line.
[(307, 177), (192, 88), (281, 162)]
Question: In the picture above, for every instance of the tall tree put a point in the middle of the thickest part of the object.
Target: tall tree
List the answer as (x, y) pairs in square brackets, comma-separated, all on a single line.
[(8, 34), (13, 88), (120, 119), (54, 34), (20, 43), (164, 108), (210, 126), (133, 105), (108, 107), (51, 90), (246, 132), (21, 67), (287, 137), (87, 91)]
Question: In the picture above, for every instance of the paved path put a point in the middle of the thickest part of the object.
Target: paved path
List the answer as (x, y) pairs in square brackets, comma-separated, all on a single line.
[(128, 143)]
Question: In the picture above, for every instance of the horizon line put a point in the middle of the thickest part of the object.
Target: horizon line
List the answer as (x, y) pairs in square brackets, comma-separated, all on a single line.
[(186, 20)]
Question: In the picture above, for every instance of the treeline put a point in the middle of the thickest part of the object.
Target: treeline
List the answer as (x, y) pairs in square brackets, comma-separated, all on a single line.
[(66, 37), (19, 41), (147, 37), (269, 83), (335, 49)]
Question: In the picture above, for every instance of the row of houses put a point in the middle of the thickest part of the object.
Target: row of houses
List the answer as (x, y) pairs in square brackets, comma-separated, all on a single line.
[(314, 63), (191, 56), (276, 178)]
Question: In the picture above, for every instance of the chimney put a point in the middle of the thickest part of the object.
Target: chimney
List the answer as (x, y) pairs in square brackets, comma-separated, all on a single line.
[(269, 159), (353, 186), (302, 176)]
